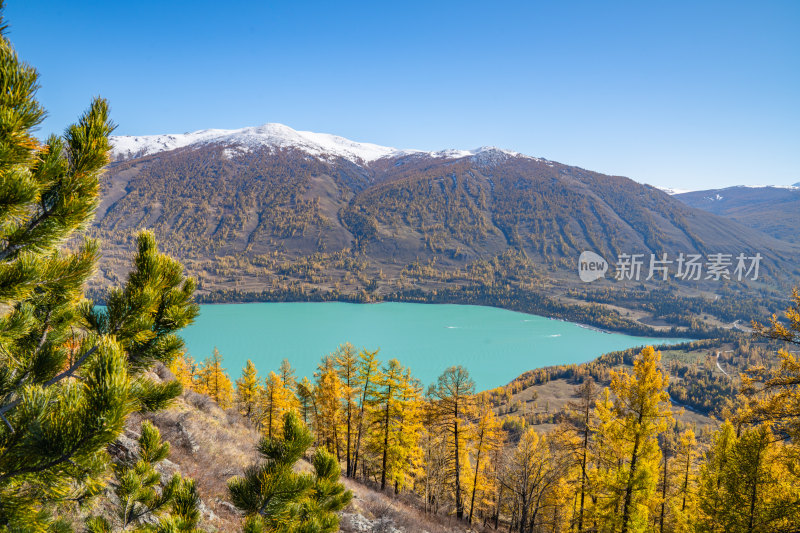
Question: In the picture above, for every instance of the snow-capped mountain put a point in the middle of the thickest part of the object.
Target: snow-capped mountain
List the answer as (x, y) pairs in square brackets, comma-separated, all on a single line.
[(320, 145), (273, 192)]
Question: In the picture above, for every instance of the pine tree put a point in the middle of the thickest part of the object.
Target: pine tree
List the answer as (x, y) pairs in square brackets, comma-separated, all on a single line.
[(144, 316), (248, 390), (276, 498), (143, 505), (630, 424), (64, 396), (452, 398)]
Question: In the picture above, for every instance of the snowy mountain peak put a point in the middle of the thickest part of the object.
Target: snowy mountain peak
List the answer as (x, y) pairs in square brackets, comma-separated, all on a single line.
[(272, 135), (322, 145)]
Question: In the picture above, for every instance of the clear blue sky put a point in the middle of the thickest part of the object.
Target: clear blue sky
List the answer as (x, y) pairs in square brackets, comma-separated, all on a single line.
[(683, 94)]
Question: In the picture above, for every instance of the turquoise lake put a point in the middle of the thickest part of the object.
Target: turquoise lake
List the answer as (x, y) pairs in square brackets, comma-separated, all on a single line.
[(495, 345)]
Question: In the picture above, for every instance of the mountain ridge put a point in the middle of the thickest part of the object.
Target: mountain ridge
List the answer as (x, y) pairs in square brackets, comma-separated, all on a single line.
[(278, 217), (774, 210), (277, 135)]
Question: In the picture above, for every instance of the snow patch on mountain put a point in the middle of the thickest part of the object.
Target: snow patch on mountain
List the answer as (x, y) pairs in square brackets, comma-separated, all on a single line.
[(716, 196), (789, 187), (321, 145), (671, 191)]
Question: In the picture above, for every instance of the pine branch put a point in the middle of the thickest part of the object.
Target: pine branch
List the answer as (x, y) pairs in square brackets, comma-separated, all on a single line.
[(65, 457), (10, 427), (67, 373)]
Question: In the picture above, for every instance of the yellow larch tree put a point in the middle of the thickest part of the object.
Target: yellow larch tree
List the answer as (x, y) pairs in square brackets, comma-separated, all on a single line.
[(630, 423), (214, 381), (486, 437), (711, 506), (248, 391), (529, 477), (433, 481), (577, 434), (748, 483), (366, 377), (328, 396), (184, 368), (452, 399), (394, 424), (405, 458), (346, 361), (497, 463), (683, 504), (306, 397), (289, 381), (275, 401)]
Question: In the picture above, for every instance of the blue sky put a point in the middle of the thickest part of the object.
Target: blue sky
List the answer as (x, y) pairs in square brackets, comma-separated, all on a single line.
[(683, 94)]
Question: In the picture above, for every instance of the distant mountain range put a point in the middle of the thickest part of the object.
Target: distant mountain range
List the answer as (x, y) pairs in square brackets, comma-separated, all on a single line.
[(277, 136), (773, 210), (246, 207)]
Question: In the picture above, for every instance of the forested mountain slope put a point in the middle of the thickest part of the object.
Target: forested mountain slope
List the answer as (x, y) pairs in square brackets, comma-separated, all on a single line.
[(271, 208), (773, 210)]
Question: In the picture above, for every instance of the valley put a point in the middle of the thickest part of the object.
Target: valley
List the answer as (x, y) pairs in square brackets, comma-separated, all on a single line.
[(272, 214)]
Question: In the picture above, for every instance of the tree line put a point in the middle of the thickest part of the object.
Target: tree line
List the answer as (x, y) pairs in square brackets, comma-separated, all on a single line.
[(616, 458)]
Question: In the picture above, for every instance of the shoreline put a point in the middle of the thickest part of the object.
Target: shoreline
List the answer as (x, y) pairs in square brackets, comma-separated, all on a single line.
[(629, 327)]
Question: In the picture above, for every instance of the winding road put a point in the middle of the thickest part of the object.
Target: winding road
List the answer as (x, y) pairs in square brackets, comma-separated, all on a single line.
[(718, 366)]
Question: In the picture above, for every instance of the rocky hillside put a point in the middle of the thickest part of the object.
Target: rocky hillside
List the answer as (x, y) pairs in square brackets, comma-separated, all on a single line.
[(212, 445)]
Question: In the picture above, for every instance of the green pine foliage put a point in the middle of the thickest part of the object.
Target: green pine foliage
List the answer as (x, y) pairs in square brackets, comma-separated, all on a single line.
[(68, 375), (144, 316), (144, 504), (155, 303), (276, 498)]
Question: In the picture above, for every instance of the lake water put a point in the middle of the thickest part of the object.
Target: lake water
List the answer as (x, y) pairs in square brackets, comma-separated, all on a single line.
[(495, 345)]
